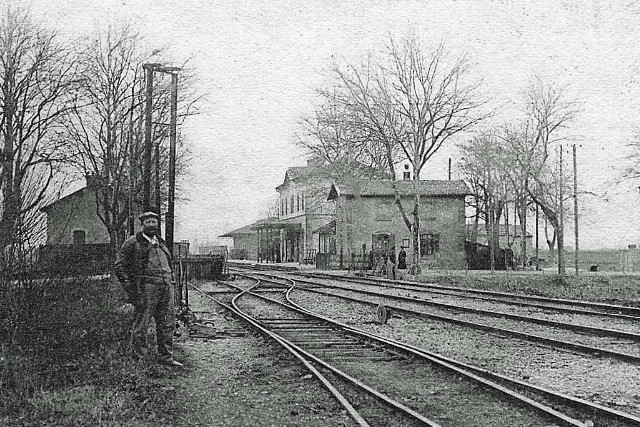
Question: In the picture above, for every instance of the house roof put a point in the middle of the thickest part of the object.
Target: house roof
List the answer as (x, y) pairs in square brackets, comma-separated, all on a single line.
[(76, 193), (385, 187), (300, 173), (318, 169)]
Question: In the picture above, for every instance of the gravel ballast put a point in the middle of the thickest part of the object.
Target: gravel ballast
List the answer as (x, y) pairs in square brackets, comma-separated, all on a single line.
[(604, 381), (247, 381)]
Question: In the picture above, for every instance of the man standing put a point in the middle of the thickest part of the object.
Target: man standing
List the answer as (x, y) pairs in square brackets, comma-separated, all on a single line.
[(402, 263), (143, 267)]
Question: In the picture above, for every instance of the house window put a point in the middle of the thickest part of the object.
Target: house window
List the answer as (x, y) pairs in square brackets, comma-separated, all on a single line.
[(297, 203), (302, 200), (292, 203), (282, 202), (429, 243), (79, 237)]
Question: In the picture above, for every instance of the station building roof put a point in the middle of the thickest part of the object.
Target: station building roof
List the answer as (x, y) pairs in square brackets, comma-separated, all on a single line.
[(386, 187)]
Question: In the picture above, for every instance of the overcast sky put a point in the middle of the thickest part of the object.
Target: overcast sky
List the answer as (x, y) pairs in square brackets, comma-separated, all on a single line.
[(260, 61)]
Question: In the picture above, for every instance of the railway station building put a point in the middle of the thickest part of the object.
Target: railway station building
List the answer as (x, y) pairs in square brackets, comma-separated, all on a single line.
[(323, 221), (303, 210)]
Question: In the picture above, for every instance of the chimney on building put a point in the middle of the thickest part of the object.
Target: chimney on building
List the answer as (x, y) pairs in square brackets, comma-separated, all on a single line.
[(406, 175)]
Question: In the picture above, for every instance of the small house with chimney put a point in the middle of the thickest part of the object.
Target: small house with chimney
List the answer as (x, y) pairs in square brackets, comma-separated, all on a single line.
[(75, 232)]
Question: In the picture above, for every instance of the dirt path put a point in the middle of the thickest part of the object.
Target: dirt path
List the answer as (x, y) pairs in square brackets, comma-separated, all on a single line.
[(245, 381)]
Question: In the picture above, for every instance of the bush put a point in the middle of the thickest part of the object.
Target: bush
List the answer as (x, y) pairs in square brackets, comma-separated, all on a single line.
[(68, 363)]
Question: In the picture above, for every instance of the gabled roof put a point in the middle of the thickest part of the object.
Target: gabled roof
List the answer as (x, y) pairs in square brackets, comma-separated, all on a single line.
[(75, 194), (79, 193), (385, 187), (319, 170), (301, 173)]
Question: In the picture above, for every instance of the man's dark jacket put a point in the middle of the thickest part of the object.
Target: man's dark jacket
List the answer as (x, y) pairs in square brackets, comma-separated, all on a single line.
[(131, 261)]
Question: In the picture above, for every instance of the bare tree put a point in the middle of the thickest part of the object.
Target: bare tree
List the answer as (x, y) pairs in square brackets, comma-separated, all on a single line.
[(486, 166), (330, 135), (36, 77), (548, 113), (104, 129), (36, 74), (410, 102), (272, 208)]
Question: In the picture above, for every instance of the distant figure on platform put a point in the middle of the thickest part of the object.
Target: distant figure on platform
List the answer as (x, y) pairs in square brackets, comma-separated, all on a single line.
[(382, 264), (391, 264), (402, 264), (143, 267)]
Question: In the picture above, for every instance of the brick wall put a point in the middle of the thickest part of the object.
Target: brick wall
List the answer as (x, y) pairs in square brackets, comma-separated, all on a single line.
[(359, 218)]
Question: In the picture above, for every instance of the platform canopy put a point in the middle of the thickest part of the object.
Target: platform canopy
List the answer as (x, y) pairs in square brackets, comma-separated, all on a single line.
[(275, 224)]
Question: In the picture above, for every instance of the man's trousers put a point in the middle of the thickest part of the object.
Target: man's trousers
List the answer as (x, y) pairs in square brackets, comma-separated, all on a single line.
[(156, 300)]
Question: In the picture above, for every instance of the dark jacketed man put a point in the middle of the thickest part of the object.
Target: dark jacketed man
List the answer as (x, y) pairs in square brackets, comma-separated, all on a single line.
[(143, 267)]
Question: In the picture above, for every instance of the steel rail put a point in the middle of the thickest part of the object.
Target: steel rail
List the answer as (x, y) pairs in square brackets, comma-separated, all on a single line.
[(299, 351), (300, 354), (504, 297), (586, 349), (532, 337), (463, 293), (561, 397), (551, 412), (569, 326), (634, 312), (339, 397)]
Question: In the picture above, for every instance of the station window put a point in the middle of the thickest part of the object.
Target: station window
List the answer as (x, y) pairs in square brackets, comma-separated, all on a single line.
[(302, 200), (292, 205), (297, 203), (429, 243)]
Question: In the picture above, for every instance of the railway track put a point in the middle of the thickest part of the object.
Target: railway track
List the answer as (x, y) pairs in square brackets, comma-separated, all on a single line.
[(336, 349), (571, 306), (595, 341)]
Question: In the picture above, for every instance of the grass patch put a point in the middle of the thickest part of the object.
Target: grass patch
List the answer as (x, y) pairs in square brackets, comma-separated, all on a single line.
[(70, 364), (608, 288)]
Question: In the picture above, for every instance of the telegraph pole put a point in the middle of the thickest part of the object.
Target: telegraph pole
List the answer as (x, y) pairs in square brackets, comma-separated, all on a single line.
[(170, 217), (158, 203), (146, 158), (575, 203), (172, 162), (561, 261)]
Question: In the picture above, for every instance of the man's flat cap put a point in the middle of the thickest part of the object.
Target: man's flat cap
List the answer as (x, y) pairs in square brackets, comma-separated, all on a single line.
[(148, 214)]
